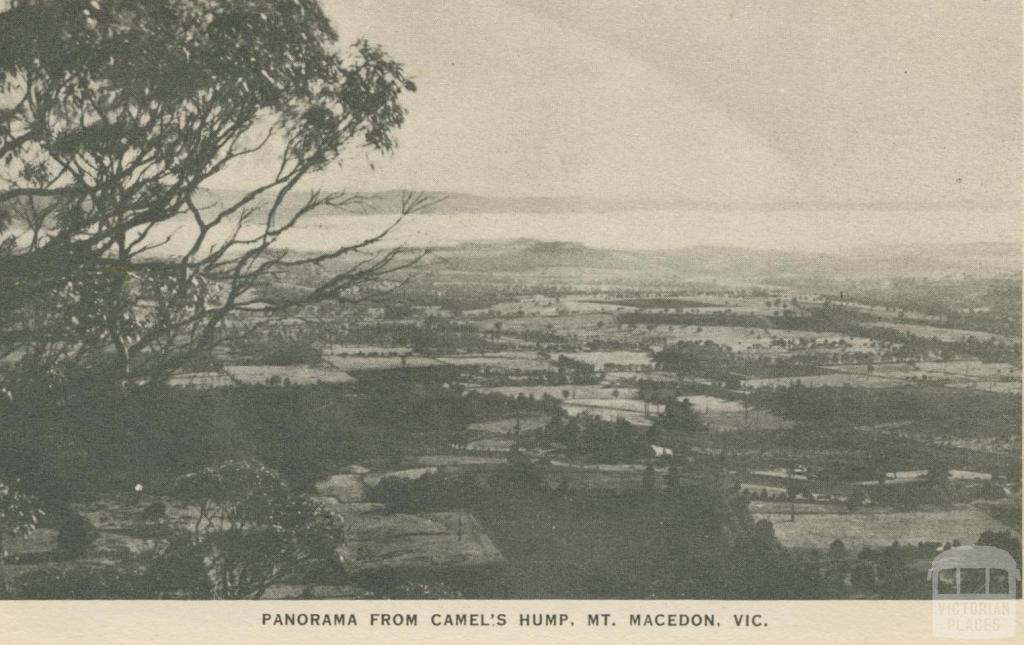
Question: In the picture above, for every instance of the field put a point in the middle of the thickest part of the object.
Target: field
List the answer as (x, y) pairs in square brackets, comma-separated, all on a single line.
[(988, 386), (587, 324), (626, 405), (294, 374), (201, 380), (555, 391), (512, 361), (600, 359), (663, 304), (367, 350), (546, 307), (759, 340), (973, 369), (760, 508), (714, 404), (942, 333), (828, 380), (603, 327), (388, 541), (758, 489), (491, 445), (634, 416), (878, 529), (991, 377), (356, 363)]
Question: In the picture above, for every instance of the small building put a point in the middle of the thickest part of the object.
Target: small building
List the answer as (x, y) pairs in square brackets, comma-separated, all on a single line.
[(661, 451)]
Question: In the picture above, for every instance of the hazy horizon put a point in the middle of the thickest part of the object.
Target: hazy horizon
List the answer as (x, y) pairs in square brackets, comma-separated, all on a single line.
[(682, 204), (806, 232)]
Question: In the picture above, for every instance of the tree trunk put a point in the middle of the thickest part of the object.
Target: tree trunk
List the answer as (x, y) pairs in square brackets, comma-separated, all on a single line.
[(122, 362)]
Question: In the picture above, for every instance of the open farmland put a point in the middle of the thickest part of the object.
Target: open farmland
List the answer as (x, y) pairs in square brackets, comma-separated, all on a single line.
[(972, 369), (356, 363), (427, 303), (663, 304), (557, 391), (578, 324), (602, 359), (963, 523), (294, 374), (546, 308), (448, 401), (201, 380), (366, 350), (626, 405), (942, 333), (713, 404), (634, 417), (828, 380), (760, 339), (991, 377), (523, 362), (512, 361), (762, 489), (387, 541), (989, 386)]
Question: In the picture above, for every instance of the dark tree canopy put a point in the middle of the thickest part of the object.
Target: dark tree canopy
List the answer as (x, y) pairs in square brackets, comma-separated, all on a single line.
[(704, 359), (250, 530), (113, 115)]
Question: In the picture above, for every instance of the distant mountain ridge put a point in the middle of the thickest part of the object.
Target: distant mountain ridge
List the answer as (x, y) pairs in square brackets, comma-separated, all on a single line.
[(390, 202), (526, 255)]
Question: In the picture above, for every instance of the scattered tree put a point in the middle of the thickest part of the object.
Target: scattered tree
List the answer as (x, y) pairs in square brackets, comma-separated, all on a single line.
[(251, 530), (19, 514)]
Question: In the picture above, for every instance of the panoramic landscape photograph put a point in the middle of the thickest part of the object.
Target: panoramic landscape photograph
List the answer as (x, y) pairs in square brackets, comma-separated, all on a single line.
[(508, 299)]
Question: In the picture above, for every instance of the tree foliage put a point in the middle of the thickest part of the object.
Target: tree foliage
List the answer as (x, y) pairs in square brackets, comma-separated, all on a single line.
[(681, 416), (704, 359), (19, 514), (114, 116), (251, 530)]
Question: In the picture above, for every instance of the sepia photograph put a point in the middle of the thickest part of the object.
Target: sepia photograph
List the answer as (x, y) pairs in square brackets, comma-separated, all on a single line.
[(510, 300)]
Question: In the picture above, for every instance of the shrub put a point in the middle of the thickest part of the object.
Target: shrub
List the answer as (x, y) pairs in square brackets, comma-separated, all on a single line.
[(252, 531), (79, 583), (75, 535)]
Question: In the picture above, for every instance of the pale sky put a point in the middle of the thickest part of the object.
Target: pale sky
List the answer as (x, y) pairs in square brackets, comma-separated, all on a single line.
[(738, 101)]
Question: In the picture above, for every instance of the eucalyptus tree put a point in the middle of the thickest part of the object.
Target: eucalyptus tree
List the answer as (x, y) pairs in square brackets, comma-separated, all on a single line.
[(114, 116)]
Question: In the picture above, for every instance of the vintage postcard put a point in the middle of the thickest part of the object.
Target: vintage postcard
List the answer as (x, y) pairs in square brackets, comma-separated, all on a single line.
[(510, 320)]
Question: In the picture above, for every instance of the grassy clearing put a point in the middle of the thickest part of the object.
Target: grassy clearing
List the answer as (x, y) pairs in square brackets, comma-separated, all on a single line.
[(294, 374), (611, 414), (600, 359), (556, 391), (828, 380), (658, 303), (964, 523), (522, 362), (944, 334), (356, 363)]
